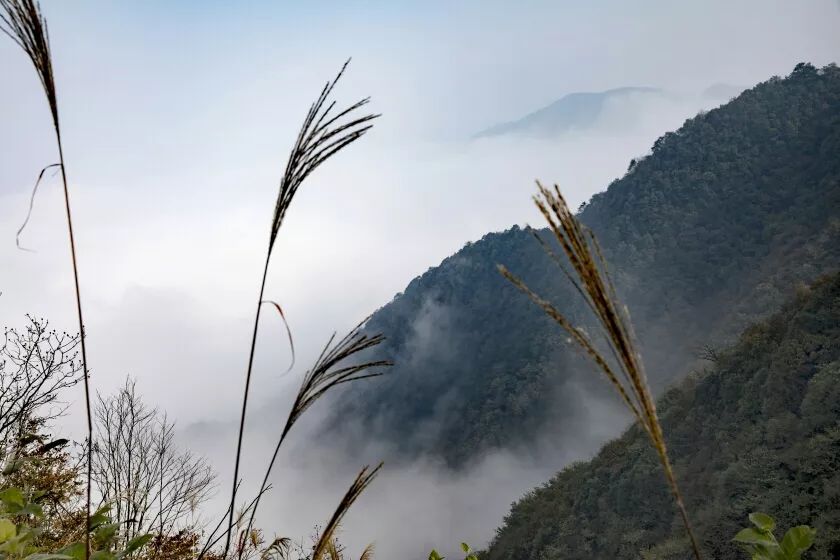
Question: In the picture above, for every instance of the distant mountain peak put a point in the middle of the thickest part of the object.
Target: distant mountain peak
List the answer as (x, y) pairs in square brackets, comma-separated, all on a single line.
[(575, 111)]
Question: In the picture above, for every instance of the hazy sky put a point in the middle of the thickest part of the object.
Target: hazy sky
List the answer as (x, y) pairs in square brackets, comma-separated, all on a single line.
[(178, 116)]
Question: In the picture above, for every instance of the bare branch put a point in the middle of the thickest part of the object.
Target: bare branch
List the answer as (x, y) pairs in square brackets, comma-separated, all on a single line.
[(151, 484)]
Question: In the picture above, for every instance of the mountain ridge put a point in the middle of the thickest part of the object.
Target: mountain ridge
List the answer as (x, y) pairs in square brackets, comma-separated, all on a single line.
[(692, 266), (577, 110)]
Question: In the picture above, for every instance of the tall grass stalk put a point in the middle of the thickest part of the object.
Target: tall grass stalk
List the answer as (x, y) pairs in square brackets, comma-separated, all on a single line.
[(590, 278), (363, 479), (22, 21), (325, 132), (331, 369)]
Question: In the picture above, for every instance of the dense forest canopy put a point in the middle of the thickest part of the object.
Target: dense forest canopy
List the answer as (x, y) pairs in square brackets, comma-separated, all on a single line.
[(757, 430)]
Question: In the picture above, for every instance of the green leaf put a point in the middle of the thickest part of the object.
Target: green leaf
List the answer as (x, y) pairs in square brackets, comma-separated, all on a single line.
[(97, 520), (102, 555), (754, 537), (31, 509), (433, 555), (16, 546), (12, 498), (135, 544), (465, 547), (105, 533), (7, 530), (797, 540), (49, 556), (76, 551), (763, 521)]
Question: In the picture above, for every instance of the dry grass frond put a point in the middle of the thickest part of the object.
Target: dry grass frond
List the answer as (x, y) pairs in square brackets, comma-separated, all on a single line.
[(330, 370), (332, 550), (363, 479), (323, 134), (22, 21), (279, 548), (591, 280), (367, 553), (32, 205), (288, 332), (218, 534)]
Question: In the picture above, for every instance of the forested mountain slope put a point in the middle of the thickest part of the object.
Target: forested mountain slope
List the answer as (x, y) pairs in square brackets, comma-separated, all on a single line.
[(711, 231), (757, 431), (728, 213)]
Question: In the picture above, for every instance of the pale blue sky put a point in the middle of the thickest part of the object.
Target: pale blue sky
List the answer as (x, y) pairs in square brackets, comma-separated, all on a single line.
[(178, 115)]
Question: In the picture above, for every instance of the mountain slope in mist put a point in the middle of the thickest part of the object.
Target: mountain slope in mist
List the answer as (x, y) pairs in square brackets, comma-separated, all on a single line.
[(709, 233), (575, 111), (756, 431)]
